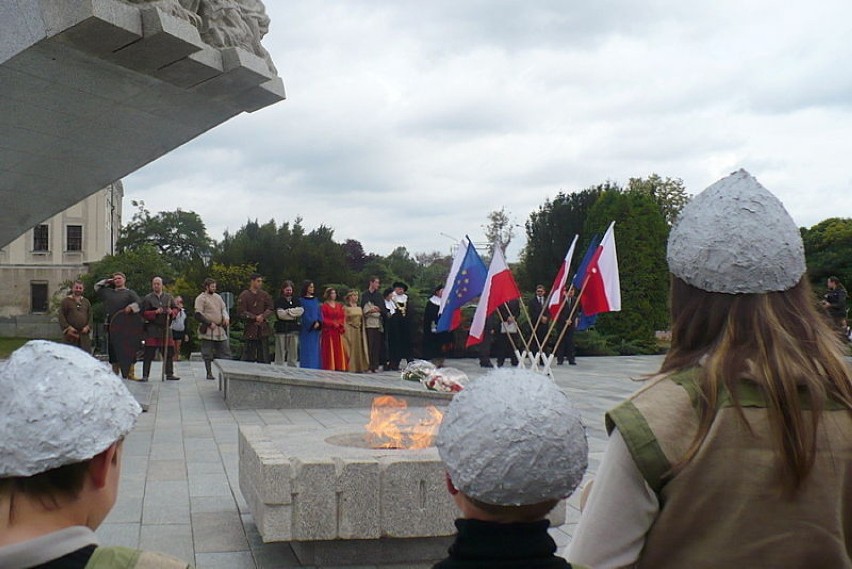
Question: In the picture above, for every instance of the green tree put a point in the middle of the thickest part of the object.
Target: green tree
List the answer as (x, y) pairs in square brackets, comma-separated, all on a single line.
[(500, 229), (640, 235), (550, 230), (828, 251), (180, 236), (669, 194)]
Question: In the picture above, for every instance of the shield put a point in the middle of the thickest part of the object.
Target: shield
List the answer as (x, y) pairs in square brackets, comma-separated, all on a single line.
[(125, 335)]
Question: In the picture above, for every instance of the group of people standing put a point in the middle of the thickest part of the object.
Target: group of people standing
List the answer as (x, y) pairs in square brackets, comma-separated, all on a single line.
[(359, 333)]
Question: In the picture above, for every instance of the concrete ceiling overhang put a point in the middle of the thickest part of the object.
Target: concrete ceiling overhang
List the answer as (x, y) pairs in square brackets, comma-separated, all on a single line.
[(93, 90)]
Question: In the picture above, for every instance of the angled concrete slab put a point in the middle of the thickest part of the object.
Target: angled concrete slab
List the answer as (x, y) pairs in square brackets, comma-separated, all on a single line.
[(93, 90)]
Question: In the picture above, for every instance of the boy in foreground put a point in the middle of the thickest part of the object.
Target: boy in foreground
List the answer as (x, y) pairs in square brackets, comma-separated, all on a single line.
[(63, 417), (513, 446)]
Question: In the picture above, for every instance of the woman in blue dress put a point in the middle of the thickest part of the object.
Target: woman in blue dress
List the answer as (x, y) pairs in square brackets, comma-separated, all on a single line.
[(309, 337)]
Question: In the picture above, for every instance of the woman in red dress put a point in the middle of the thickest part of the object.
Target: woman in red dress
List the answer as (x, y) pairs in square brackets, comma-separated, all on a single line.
[(333, 351)]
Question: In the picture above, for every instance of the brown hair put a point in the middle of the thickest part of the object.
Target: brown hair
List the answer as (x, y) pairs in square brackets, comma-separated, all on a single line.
[(64, 482), (776, 340), (327, 294)]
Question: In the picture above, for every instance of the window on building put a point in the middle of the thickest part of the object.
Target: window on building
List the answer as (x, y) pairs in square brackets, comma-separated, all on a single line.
[(38, 297), (74, 238), (40, 238)]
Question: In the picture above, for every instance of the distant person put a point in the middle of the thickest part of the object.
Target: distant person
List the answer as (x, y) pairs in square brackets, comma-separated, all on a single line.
[(398, 329), (507, 341), (354, 338), (565, 349), (63, 419), (513, 446), (539, 319), (124, 325), (211, 312), (333, 352), (390, 310), (179, 332), (373, 305), (738, 453), (834, 303), (75, 318), (436, 345), (254, 306), (158, 309), (288, 313), (309, 337)]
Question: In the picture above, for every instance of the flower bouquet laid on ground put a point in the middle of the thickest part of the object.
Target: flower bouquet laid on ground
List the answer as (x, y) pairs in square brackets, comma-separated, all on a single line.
[(444, 379)]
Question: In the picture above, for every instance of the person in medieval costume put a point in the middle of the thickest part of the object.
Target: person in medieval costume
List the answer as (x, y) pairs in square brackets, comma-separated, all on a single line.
[(124, 325), (398, 329), (211, 312), (158, 310), (513, 446), (737, 454), (75, 318)]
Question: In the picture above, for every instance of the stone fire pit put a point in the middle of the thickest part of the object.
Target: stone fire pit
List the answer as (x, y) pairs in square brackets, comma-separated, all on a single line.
[(339, 502)]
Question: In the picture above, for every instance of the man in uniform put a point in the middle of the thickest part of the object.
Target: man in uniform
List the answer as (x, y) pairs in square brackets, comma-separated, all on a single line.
[(212, 315), (75, 318), (59, 474), (255, 306), (158, 309), (117, 298)]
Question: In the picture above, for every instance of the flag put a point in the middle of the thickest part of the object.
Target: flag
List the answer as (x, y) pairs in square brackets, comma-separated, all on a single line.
[(461, 250), (580, 275), (557, 291), (500, 287), (586, 322), (603, 289), (467, 285)]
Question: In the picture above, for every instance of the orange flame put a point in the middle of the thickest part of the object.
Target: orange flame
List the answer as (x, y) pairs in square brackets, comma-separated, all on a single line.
[(392, 425)]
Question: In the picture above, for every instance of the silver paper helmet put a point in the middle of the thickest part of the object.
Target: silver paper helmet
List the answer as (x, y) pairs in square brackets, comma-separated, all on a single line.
[(512, 438), (736, 237), (59, 406)]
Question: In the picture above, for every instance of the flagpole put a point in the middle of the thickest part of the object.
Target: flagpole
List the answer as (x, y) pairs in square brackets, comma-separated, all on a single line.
[(573, 311), (527, 344), (511, 340)]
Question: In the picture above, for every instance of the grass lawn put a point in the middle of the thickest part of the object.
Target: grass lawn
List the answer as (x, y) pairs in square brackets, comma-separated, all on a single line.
[(9, 345)]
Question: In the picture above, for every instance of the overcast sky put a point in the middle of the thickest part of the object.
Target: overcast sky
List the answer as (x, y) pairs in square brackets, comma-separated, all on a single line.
[(408, 120)]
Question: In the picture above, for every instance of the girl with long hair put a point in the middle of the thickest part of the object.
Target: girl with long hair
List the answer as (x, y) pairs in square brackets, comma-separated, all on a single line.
[(739, 452)]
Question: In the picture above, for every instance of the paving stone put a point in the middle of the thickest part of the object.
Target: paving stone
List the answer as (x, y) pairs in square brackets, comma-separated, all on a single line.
[(230, 560), (172, 539), (219, 532)]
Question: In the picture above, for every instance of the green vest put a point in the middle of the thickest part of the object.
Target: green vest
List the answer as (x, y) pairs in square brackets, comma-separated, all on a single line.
[(726, 507), (126, 558)]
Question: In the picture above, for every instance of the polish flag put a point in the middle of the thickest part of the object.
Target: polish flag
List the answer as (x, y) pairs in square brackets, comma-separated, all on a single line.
[(557, 294), (602, 291), (500, 287)]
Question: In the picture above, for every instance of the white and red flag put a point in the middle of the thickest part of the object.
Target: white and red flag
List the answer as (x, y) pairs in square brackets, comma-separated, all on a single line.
[(557, 291), (500, 287), (602, 291)]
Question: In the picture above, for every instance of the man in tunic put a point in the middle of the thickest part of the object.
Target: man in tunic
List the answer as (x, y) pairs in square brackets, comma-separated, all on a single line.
[(158, 309), (123, 342), (375, 312), (212, 315), (75, 318), (59, 475), (255, 305)]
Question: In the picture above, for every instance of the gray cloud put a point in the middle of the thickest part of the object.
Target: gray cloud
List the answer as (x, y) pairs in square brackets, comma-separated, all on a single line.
[(405, 120)]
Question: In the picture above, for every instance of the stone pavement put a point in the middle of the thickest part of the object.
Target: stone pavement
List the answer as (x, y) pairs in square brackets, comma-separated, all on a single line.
[(179, 489)]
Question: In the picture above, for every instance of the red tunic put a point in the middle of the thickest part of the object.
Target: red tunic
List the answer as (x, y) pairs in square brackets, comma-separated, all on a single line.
[(332, 350)]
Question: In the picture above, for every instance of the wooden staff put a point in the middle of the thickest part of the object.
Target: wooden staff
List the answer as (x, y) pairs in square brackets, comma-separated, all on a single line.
[(526, 343), (573, 311)]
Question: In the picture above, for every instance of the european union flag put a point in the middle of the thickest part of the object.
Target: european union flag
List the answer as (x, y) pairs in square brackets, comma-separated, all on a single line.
[(467, 285)]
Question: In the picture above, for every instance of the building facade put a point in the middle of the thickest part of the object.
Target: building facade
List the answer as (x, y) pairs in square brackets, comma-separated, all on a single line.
[(36, 266)]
